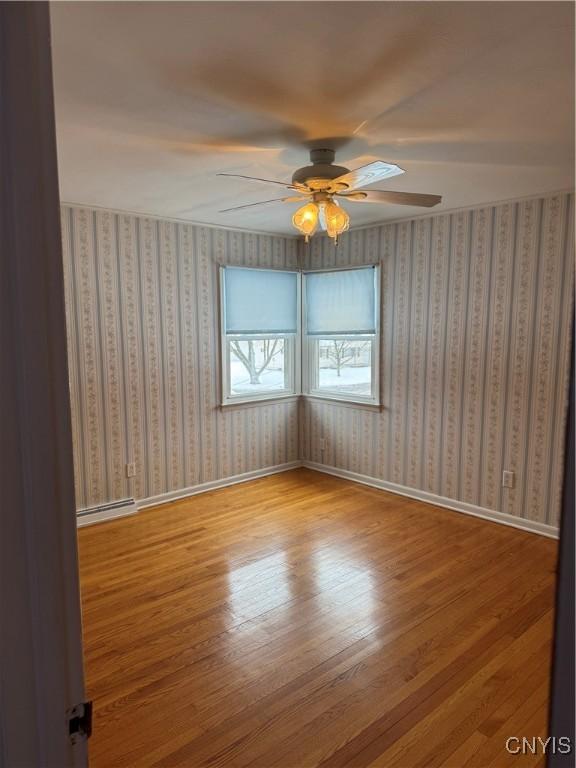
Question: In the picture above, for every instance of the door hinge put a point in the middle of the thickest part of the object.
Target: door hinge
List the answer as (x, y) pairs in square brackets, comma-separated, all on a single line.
[(80, 721)]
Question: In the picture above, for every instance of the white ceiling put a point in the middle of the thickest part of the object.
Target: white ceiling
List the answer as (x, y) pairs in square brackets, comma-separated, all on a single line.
[(474, 100)]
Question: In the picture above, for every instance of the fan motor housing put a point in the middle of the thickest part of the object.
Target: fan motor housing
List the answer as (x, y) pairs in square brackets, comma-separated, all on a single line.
[(320, 170)]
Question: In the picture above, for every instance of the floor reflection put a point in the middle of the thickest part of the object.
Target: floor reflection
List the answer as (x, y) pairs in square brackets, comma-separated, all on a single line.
[(260, 585), (343, 583), (312, 581)]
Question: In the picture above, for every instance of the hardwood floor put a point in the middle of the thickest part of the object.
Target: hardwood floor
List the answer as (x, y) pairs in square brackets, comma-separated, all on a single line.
[(301, 620)]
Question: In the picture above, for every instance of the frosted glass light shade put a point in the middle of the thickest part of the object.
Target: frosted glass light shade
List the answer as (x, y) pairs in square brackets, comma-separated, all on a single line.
[(336, 219), (306, 219)]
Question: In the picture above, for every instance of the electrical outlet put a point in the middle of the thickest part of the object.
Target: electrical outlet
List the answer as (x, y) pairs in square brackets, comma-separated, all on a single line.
[(131, 469), (322, 443), (507, 479)]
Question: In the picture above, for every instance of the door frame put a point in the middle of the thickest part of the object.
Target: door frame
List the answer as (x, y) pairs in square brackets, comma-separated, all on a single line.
[(41, 664)]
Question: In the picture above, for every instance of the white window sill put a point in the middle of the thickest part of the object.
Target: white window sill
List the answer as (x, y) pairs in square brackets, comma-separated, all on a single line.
[(357, 404), (259, 400), (346, 402)]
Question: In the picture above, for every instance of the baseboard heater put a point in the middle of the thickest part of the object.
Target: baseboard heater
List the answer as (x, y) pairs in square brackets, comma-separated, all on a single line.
[(97, 514)]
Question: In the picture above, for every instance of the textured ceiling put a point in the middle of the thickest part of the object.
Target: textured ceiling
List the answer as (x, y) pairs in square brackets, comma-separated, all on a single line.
[(474, 100)]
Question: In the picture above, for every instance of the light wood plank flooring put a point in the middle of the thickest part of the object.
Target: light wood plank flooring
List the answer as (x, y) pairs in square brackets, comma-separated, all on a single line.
[(302, 620)]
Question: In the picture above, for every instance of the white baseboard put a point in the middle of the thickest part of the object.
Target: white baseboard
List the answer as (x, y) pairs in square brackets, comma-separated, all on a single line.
[(212, 485), (100, 514), (105, 512), (439, 501)]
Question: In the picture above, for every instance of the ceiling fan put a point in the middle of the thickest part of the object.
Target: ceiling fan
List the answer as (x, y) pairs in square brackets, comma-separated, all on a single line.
[(322, 184)]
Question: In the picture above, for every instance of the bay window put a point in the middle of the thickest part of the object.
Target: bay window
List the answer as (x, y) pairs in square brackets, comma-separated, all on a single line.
[(341, 330), (260, 333)]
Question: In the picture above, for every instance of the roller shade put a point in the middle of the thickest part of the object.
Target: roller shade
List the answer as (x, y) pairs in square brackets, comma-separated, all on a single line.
[(260, 301), (341, 302)]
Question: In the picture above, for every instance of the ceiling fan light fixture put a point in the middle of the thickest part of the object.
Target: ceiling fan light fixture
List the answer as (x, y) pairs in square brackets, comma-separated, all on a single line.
[(306, 219), (336, 220), (322, 181)]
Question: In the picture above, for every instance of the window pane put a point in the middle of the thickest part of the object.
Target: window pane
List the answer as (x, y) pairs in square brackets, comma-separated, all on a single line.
[(260, 301), (257, 366), (345, 366), (341, 301)]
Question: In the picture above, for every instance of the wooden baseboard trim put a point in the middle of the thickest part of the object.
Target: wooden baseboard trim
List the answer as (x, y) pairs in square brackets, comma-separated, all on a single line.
[(183, 493), (100, 516), (439, 501), (429, 498)]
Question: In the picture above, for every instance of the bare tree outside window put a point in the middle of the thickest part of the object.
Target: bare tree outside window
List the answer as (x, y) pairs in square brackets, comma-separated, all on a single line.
[(343, 352), (255, 364)]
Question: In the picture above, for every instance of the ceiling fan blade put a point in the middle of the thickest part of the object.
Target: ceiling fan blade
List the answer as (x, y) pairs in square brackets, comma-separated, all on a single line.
[(299, 187), (366, 174), (265, 202), (395, 198)]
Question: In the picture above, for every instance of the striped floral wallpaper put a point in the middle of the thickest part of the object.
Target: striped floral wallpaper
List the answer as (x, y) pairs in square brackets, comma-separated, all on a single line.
[(142, 310), (476, 322), (476, 311)]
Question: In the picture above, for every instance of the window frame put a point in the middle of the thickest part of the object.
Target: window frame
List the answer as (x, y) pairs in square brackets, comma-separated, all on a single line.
[(292, 347), (301, 349), (311, 344)]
